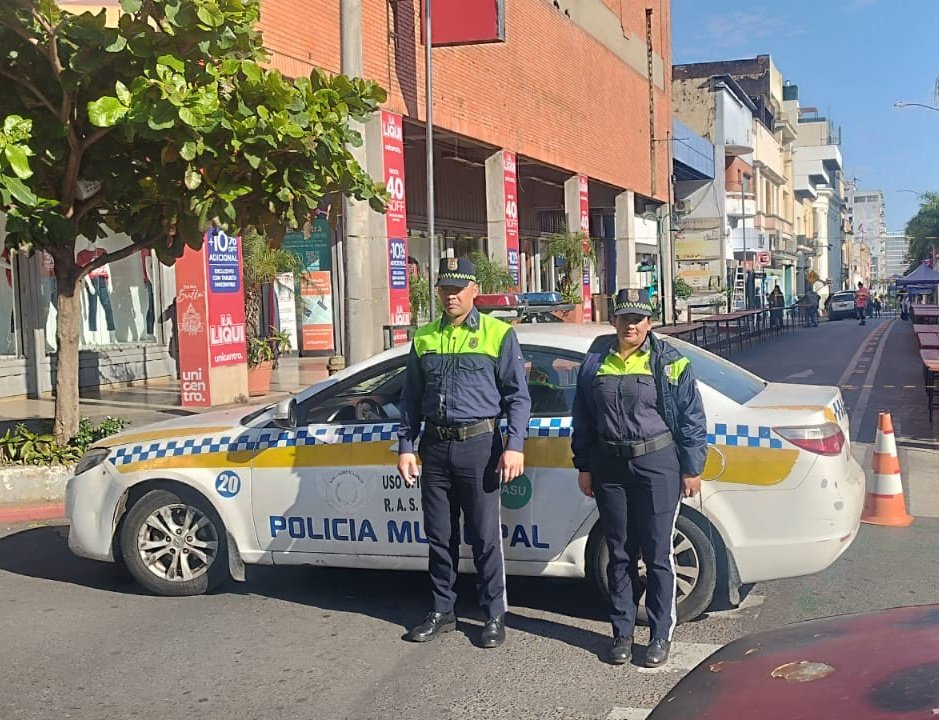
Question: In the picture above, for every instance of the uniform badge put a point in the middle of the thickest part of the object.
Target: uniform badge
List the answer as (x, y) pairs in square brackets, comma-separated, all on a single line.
[(473, 343), (452, 264), (632, 295)]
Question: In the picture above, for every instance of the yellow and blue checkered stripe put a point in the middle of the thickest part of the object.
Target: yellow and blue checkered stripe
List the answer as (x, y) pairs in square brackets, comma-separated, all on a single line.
[(755, 436)]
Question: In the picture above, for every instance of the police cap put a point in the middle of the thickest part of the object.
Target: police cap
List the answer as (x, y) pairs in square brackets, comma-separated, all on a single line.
[(630, 301), (456, 272)]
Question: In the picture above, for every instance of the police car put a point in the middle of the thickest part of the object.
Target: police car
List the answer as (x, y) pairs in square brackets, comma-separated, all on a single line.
[(187, 503)]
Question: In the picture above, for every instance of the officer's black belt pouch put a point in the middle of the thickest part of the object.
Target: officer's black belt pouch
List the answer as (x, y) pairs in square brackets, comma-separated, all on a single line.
[(459, 432), (636, 448)]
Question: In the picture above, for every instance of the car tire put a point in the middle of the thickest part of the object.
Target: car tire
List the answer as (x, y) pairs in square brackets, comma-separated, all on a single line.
[(168, 535), (695, 551)]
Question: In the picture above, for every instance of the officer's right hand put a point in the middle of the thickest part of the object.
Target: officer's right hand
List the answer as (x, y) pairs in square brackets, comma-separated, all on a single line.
[(407, 468), (586, 483)]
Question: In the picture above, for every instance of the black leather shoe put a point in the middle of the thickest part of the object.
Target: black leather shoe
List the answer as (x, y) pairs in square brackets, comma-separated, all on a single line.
[(622, 650), (493, 634), (434, 624), (657, 653)]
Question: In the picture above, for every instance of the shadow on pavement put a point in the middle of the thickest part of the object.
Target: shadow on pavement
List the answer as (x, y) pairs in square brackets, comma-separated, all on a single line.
[(401, 598)]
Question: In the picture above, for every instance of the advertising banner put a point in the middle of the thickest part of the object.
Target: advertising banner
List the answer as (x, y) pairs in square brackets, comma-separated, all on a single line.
[(584, 197), (226, 299), (510, 182), (192, 330), (316, 297), (284, 286), (312, 244), (396, 219), (465, 22)]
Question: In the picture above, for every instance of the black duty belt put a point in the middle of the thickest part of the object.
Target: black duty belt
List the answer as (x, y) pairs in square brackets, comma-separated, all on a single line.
[(637, 448), (459, 432)]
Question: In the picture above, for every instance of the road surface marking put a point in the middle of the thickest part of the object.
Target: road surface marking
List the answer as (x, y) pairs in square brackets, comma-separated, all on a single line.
[(683, 656), (748, 603), (861, 406), (629, 713)]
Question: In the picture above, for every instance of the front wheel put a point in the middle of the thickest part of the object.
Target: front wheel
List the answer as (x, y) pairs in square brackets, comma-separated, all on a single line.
[(695, 569), (174, 544)]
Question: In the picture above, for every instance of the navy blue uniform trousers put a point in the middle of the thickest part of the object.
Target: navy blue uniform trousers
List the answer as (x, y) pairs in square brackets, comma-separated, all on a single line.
[(460, 475), (638, 500)]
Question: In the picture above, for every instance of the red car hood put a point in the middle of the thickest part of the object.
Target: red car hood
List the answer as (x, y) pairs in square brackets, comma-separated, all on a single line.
[(869, 666)]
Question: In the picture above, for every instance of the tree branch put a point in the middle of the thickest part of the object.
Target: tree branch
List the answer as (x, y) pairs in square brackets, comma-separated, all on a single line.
[(116, 255), (87, 207), (95, 137), (37, 93)]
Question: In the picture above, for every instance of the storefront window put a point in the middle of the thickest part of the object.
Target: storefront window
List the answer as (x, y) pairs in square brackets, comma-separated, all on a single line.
[(7, 304), (118, 304)]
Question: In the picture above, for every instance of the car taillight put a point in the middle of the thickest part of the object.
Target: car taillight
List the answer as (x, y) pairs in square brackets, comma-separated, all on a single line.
[(826, 439)]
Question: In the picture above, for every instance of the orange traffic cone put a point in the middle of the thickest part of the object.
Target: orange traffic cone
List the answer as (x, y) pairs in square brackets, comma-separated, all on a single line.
[(884, 503)]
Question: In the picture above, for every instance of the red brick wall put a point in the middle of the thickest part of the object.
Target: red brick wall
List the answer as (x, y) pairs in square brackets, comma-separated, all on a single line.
[(551, 92)]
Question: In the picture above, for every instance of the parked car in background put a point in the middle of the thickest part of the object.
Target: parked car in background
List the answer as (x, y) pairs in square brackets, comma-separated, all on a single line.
[(841, 305)]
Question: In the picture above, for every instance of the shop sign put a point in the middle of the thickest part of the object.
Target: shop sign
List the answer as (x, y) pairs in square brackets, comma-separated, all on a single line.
[(510, 184), (465, 22), (584, 202), (396, 219), (316, 297)]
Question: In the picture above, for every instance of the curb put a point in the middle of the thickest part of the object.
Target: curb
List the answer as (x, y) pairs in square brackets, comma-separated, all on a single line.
[(19, 514)]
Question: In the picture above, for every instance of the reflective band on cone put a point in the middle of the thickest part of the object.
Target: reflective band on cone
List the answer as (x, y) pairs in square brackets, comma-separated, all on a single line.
[(884, 503)]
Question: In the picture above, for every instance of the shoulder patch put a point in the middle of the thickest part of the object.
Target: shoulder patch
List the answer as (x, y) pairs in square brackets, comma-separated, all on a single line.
[(674, 370)]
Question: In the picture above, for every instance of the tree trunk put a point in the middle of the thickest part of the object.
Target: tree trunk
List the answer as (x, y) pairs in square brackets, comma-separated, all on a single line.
[(66, 336)]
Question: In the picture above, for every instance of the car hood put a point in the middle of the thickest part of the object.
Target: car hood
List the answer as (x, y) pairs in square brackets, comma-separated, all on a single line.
[(870, 665), (819, 403), (199, 424)]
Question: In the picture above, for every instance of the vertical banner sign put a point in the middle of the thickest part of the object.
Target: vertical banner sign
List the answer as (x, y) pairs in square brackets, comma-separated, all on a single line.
[(316, 295), (226, 299), (510, 181), (287, 306), (585, 229), (396, 223), (192, 328)]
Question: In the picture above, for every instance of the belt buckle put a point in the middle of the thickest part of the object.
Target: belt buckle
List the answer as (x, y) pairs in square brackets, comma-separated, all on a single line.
[(442, 432)]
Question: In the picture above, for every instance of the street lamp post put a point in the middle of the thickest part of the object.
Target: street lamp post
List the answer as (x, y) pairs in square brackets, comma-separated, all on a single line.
[(903, 104), (743, 231)]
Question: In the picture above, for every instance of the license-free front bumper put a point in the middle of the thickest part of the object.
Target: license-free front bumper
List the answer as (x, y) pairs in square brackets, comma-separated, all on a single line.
[(91, 505)]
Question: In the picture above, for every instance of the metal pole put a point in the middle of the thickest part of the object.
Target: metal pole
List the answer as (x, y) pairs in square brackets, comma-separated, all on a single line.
[(743, 230), (429, 99)]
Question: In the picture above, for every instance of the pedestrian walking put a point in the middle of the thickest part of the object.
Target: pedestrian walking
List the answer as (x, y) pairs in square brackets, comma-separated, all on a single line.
[(812, 300), (777, 301), (639, 444), (878, 306), (861, 298), (463, 372)]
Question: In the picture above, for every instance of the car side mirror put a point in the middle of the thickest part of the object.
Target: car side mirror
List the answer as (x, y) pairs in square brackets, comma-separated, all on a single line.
[(285, 414)]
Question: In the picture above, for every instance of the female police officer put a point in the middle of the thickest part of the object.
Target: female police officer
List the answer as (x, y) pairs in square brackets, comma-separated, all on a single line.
[(639, 442)]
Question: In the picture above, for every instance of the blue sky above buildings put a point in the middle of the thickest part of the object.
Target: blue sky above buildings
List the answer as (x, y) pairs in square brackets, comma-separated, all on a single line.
[(852, 59)]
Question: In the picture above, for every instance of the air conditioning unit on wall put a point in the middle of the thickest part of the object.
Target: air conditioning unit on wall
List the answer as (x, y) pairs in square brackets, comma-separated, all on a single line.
[(683, 205)]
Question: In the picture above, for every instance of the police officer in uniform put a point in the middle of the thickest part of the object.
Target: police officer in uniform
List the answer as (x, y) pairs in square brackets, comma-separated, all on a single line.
[(465, 371), (639, 442)]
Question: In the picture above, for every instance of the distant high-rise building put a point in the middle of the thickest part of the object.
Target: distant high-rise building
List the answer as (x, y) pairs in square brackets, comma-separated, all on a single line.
[(896, 248), (870, 229)]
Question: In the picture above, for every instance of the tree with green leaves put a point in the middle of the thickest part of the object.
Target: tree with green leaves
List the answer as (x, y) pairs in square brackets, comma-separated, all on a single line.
[(492, 276), (156, 128), (573, 248), (923, 230)]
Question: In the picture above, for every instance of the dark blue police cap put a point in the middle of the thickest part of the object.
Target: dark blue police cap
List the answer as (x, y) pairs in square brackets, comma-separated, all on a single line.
[(456, 272), (630, 301)]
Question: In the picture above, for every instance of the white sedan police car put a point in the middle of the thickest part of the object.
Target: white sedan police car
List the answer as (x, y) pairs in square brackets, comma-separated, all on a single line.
[(188, 503)]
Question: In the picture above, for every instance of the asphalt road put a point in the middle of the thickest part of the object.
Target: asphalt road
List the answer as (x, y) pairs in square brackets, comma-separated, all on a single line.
[(79, 641)]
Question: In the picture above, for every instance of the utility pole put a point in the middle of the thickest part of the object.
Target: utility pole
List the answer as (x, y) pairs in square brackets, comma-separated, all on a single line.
[(429, 113), (743, 232), (356, 300)]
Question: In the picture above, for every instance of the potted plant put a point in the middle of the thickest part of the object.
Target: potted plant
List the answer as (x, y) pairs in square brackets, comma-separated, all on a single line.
[(492, 276), (260, 366), (573, 249)]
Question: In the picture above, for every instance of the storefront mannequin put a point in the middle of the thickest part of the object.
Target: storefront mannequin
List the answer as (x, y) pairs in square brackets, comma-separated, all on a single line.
[(98, 287)]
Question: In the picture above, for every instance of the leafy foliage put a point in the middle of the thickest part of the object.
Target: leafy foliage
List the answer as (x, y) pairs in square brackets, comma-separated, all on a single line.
[(682, 289), (261, 264), (419, 295), (573, 249), (22, 446), (923, 230), (492, 276)]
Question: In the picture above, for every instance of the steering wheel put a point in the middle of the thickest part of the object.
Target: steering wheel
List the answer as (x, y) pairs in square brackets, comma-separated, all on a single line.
[(369, 410)]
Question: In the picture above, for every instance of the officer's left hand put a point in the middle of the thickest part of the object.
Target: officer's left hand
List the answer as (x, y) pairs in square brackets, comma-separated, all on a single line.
[(511, 465), (692, 484)]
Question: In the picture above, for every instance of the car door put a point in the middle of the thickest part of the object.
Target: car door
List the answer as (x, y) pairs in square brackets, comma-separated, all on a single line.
[(331, 486), (544, 509)]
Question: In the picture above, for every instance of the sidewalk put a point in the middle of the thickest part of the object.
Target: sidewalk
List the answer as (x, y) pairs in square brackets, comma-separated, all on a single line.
[(29, 494)]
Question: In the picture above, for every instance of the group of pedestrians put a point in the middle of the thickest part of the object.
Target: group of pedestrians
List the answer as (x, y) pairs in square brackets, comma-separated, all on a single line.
[(639, 445)]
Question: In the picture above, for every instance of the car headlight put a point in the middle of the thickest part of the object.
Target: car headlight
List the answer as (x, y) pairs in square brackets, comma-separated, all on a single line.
[(91, 459)]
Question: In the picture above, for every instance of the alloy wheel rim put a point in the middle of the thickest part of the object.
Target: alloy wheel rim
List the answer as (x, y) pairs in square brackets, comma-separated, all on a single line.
[(687, 566), (177, 543)]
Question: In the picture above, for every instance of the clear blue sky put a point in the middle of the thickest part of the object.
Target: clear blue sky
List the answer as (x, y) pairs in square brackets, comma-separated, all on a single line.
[(852, 59)]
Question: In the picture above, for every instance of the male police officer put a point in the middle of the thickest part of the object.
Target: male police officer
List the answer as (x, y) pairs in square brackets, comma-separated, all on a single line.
[(639, 442), (464, 371)]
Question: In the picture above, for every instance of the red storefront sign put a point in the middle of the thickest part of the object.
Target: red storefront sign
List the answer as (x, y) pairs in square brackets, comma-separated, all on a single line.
[(210, 320), (510, 181), (465, 22), (584, 198), (396, 220)]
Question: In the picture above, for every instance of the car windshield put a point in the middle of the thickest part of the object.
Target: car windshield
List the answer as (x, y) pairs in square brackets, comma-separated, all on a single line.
[(843, 297), (731, 380)]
